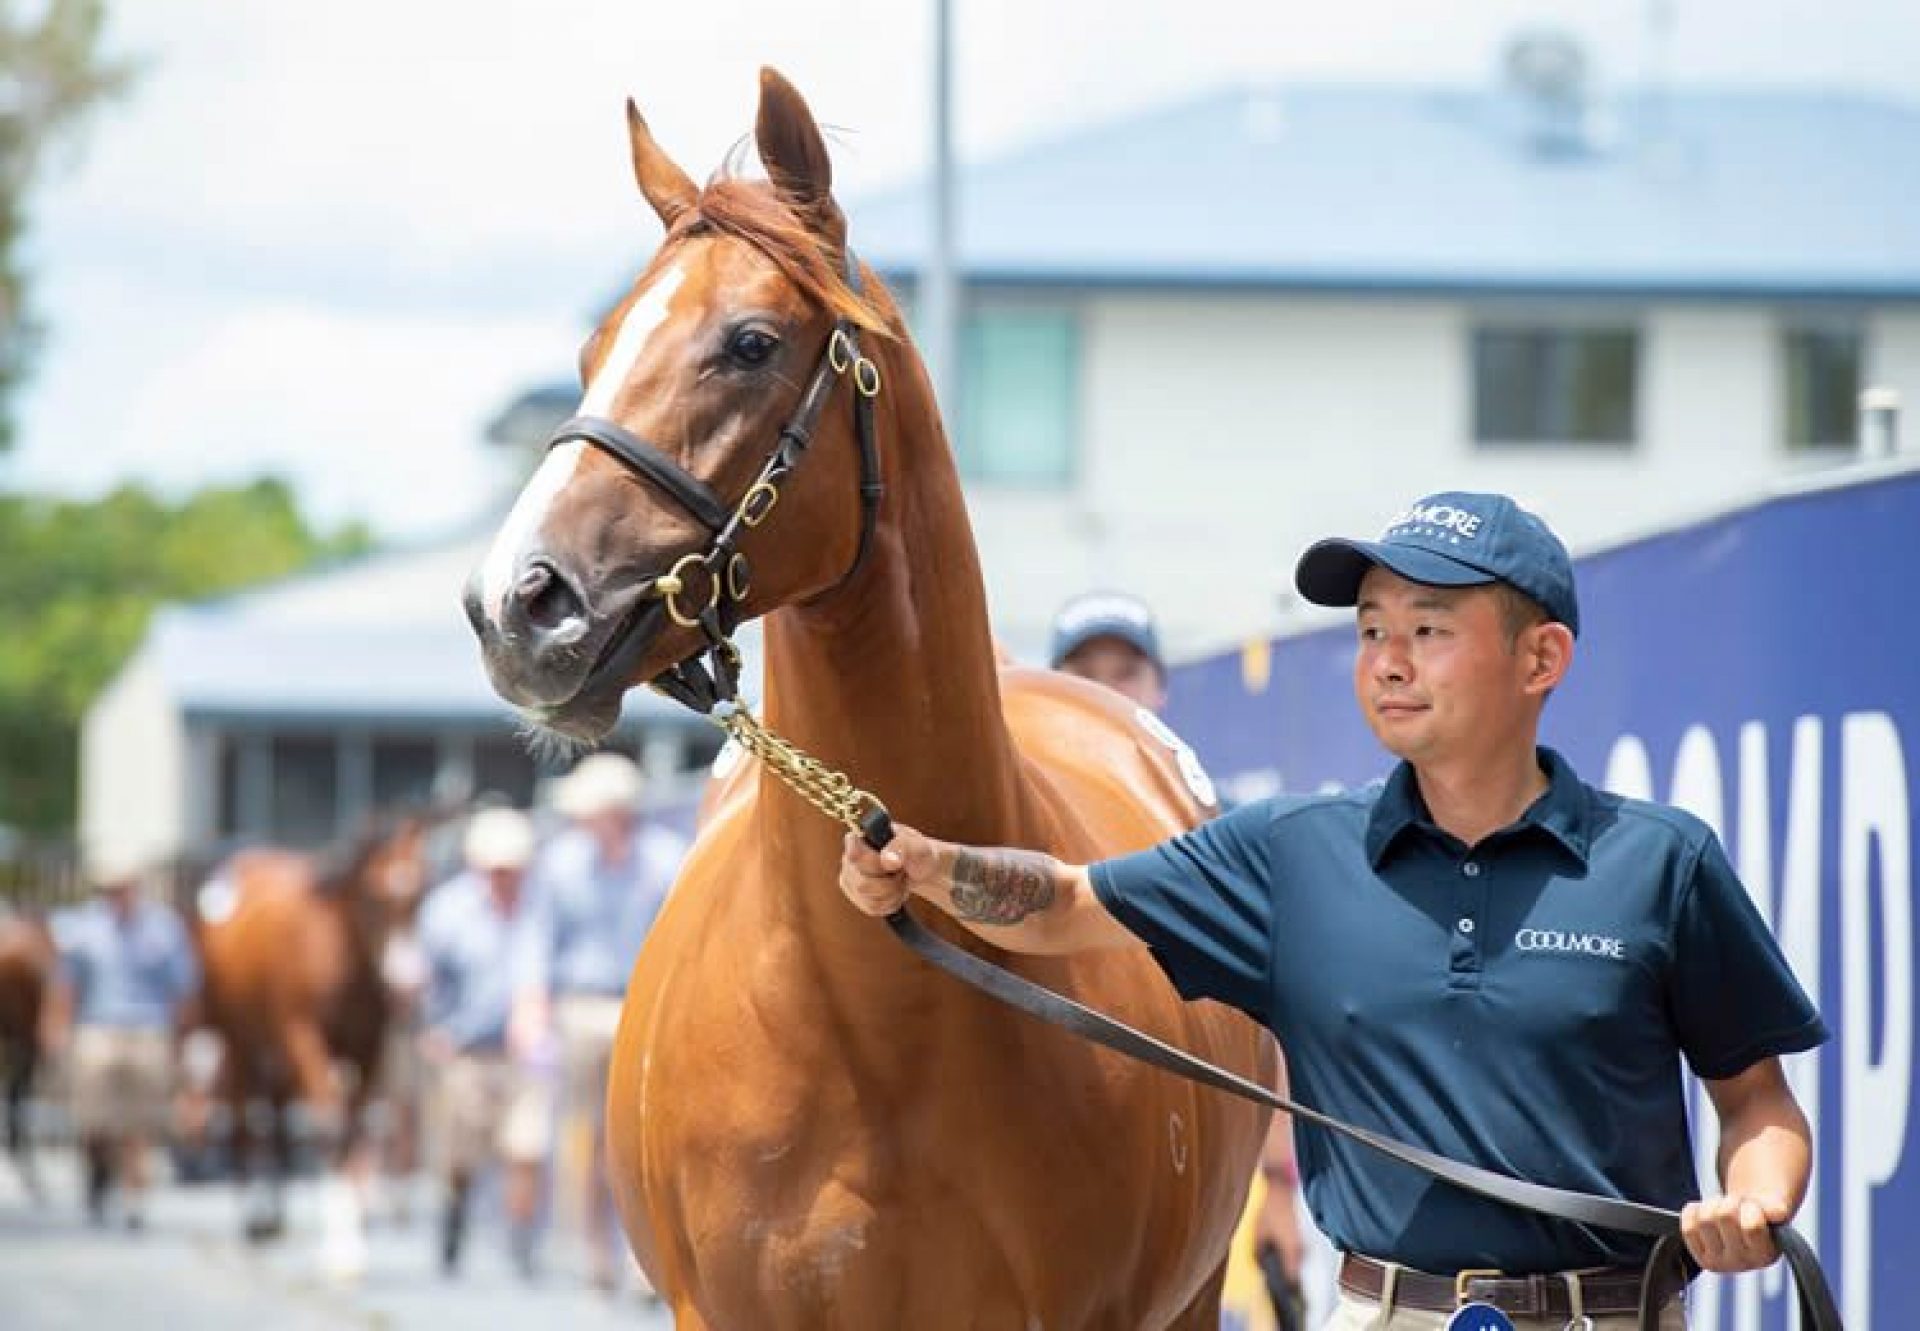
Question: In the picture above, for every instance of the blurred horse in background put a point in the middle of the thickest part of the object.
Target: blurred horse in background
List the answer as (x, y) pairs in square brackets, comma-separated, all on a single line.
[(27, 960), (294, 950)]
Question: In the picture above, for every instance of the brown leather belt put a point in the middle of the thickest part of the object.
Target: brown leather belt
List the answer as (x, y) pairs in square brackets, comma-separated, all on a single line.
[(1607, 1291)]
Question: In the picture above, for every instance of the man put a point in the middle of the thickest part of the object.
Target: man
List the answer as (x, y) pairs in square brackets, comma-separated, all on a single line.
[(595, 894), (1484, 956), (127, 970), (1112, 639), (487, 1106)]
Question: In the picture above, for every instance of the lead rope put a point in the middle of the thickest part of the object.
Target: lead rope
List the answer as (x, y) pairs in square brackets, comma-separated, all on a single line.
[(859, 811)]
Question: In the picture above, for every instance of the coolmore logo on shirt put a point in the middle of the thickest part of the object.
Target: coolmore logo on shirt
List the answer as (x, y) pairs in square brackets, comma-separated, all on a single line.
[(1561, 940), (1442, 521)]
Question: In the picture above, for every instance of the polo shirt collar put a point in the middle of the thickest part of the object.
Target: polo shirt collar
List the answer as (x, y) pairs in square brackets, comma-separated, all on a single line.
[(1563, 812)]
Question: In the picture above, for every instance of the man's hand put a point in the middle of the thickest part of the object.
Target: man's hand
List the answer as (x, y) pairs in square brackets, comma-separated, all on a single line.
[(1021, 900), (1730, 1233), (878, 882)]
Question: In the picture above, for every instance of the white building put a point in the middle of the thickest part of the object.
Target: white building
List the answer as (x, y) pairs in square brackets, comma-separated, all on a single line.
[(1199, 339)]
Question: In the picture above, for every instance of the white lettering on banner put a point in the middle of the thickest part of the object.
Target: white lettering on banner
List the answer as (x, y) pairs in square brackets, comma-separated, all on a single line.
[(1697, 788), (1874, 854), (1875, 1095), (1796, 922), (1629, 770)]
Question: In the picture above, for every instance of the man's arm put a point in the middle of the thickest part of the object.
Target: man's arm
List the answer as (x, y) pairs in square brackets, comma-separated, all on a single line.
[(1021, 900), (1766, 1157)]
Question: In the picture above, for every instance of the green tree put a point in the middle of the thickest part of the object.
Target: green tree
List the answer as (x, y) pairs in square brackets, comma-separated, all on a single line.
[(79, 581), (52, 73)]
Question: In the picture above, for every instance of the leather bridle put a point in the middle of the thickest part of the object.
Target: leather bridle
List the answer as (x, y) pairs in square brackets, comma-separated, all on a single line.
[(705, 589)]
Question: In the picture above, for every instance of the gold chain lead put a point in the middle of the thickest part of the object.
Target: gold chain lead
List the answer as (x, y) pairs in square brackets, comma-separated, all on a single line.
[(819, 785)]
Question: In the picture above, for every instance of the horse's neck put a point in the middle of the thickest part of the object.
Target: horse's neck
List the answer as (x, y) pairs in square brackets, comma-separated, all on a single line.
[(892, 677)]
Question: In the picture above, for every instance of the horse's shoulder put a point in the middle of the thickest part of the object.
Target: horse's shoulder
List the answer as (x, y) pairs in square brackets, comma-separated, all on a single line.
[(1096, 747), (731, 783)]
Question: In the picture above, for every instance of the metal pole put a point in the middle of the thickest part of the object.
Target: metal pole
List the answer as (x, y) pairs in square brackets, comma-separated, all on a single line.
[(939, 321)]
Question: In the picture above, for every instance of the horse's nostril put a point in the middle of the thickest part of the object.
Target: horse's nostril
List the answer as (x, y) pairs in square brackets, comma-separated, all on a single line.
[(549, 601)]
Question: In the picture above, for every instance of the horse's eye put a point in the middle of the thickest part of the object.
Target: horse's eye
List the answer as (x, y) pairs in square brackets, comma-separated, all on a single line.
[(752, 347)]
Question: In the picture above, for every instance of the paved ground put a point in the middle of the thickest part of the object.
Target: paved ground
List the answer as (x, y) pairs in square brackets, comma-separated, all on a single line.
[(187, 1269)]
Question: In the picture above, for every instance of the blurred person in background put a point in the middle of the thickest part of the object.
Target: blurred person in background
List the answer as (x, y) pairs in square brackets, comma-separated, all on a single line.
[(593, 897), (116, 1007), (486, 1105), (1112, 638)]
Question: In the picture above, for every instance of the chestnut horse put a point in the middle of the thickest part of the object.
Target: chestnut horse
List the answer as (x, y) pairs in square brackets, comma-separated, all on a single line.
[(27, 960), (292, 950), (808, 1126)]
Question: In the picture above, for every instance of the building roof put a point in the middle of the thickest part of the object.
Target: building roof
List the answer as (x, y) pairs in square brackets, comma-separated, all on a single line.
[(1694, 192), (381, 638)]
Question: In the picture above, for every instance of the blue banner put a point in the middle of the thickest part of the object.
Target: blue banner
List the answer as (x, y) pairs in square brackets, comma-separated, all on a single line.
[(1762, 670)]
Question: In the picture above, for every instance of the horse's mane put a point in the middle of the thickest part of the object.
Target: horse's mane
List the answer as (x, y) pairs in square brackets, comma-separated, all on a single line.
[(749, 210), (343, 867)]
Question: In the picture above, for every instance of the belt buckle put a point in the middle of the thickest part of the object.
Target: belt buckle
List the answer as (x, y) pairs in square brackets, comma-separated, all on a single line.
[(1462, 1279), (1470, 1314)]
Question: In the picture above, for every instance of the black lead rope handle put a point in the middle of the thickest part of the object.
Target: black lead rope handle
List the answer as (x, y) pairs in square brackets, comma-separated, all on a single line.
[(1817, 1309)]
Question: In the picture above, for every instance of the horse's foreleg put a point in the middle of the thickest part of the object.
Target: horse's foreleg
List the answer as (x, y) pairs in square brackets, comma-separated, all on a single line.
[(343, 1239), (20, 1069)]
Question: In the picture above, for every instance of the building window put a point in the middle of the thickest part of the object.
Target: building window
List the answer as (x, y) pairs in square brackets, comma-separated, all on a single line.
[(503, 767), (1018, 372), (306, 807), (1555, 385), (1821, 371), (403, 771)]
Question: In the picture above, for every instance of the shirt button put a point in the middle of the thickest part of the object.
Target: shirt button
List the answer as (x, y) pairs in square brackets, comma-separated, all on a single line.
[(1471, 869), (1466, 924)]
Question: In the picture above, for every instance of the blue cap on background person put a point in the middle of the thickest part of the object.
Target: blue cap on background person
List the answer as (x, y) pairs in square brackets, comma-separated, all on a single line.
[(1451, 539), (1105, 615)]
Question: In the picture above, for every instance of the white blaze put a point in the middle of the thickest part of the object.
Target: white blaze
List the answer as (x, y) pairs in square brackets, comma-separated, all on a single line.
[(530, 509)]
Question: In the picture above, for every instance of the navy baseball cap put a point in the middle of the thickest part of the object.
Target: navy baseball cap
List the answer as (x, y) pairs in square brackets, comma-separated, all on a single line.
[(1106, 615), (1452, 539)]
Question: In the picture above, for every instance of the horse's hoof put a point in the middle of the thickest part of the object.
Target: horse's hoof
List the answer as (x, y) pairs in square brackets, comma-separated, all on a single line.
[(264, 1231)]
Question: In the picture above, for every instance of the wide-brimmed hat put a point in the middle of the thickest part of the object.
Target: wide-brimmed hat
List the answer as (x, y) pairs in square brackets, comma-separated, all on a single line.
[(109, 864), (498, 839), (599, 783)]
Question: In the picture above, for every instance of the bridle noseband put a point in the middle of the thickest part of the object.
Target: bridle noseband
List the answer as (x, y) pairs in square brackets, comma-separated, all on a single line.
[(705, 589)]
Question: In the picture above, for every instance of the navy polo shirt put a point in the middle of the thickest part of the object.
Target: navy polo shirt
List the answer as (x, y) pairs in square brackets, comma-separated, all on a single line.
[(1522, 1004)]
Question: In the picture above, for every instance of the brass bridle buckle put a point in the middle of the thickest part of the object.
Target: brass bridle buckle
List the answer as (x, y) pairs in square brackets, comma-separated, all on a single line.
[(840, 352), (672, 584), (843, 357)]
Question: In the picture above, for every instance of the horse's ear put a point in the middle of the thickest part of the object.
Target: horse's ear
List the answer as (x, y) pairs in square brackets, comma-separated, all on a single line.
[(795, 156), (669, 189)]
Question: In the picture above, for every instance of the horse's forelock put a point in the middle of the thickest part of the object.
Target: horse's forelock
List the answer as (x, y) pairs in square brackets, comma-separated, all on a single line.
[(750, 210)]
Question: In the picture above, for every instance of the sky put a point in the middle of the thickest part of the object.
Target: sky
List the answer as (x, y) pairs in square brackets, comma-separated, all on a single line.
[(329, 242)]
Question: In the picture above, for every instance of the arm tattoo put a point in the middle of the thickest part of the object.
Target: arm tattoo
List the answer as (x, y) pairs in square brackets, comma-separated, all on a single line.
[(1000, 886)]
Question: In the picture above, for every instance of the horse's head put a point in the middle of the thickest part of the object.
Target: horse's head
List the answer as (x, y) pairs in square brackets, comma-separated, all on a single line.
[(719, 388), (383, 875)]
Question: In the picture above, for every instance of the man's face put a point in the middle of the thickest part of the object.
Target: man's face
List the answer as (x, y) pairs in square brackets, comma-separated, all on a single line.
[(1122, 667), (1436, 674)]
